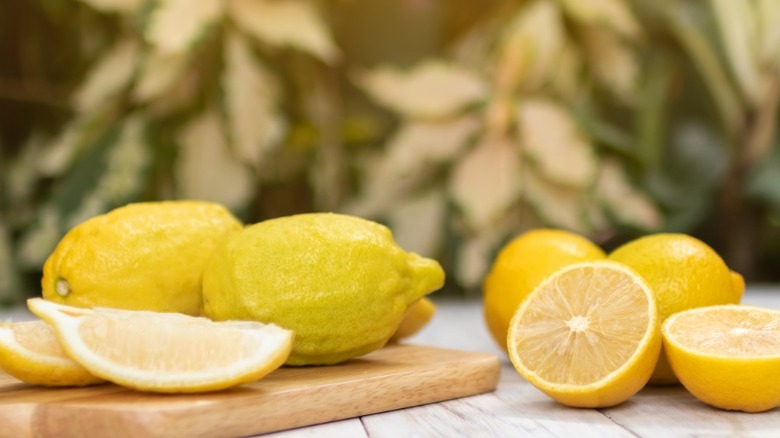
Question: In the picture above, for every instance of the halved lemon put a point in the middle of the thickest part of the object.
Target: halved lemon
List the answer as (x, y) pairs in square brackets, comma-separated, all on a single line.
[(727, 356), (30, 352), (588, 335), (165, 352)]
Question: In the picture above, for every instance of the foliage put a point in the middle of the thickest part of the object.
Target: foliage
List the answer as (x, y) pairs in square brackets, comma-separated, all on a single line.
[(610, 118)]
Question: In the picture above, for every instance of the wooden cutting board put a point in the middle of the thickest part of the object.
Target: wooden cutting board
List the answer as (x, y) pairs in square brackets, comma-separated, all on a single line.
[(394, 377)]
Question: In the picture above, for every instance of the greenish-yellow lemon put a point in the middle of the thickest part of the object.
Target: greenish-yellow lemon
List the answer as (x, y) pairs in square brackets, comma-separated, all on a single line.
[(340, 282)]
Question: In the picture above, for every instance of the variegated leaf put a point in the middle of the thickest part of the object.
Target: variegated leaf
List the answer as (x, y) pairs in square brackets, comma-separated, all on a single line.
[(551, 139), (251, 100), (59, 153), (624, 201), (108, 77), (120, 6), (174, 25), (613, 14), (294, 23), (206, 169), (433, 89), (558, 205), (739, 29), (530, 46), (474, 257), (421, 143), (486, 181), (159, 73), (768, 13), (615, 65), (418, 223)]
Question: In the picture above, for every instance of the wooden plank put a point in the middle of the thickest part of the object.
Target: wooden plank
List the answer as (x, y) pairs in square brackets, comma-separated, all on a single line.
[(394, 377), (515, 409)]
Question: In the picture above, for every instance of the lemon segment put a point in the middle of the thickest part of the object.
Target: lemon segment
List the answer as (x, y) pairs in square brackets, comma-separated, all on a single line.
[(588, 335), (521, 265), (30, 352), (340, 282), (143, 256), (165, 352), (684, 273), (727, 356)]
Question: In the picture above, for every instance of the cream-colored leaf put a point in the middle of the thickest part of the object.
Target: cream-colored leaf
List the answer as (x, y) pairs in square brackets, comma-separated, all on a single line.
[(486, 181), (559, 206), (530, 46), (613, 14), (38, 242), (159, 73), (294, 23), (432, 89), (120, 6), (251, 97), (768, 13), (551, 139), (58, 154), (474, 257), (108, 76), (206, 169), (420, 143), (624, 201), (615, 65), (739, 29), (418, 223), (174, 25)]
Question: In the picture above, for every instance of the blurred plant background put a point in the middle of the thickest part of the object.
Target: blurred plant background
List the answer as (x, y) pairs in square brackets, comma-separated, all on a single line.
[(457, 123)]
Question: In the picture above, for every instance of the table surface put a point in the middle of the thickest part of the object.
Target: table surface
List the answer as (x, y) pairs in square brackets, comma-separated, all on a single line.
[(516, 408)]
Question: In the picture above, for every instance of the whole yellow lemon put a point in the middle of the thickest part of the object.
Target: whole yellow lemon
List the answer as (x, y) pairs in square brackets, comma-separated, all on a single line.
[(143, 256), (521, 265), (684, 273), (341, 283)]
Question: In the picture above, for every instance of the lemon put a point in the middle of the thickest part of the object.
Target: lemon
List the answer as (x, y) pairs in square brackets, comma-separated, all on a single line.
[(30, 352), (684, 273), (588, 335), (165, 352), (727, 356), (417, 317), (340, 282), (144, 256), (521, 265)]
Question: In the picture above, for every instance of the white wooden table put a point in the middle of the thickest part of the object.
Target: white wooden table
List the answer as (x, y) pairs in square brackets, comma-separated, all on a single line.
[(518, 409)]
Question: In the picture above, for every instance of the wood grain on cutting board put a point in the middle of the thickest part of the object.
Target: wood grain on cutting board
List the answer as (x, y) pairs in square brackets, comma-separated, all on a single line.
[(394, 377)]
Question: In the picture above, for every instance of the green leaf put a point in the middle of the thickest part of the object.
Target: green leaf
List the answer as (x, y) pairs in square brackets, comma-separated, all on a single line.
[(763, 182)]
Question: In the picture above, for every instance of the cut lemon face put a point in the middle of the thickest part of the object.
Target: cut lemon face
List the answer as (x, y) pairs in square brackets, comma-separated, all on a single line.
[(165, 352), (588, 335), (727, 356), (30, 352)]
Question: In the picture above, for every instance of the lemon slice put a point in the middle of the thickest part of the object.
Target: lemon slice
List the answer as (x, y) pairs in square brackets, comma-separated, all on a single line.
[(727, 356), (588, 335), (30, 352), (165, 352)]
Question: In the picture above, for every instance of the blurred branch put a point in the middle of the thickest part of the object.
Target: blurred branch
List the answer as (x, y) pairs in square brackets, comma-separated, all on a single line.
[(35, 92)]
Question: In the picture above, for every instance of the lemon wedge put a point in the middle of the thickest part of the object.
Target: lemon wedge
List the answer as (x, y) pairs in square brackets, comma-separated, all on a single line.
[(165, 352), (30, 352)]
